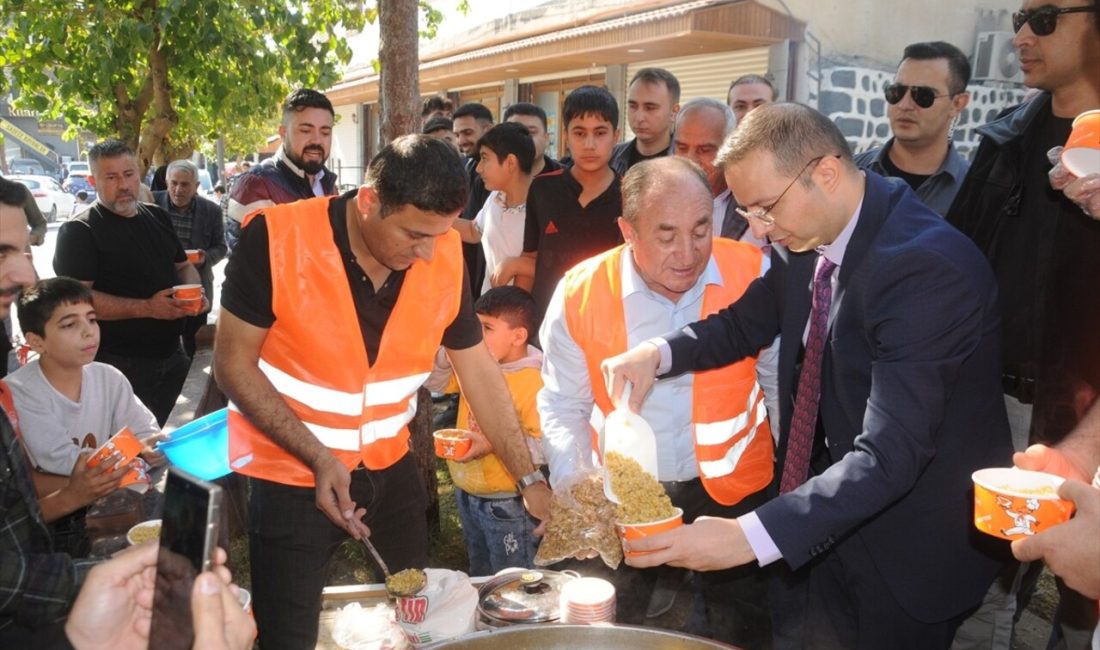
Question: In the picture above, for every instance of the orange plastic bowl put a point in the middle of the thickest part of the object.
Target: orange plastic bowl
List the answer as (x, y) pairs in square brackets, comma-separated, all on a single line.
[(1014, 503), (451, 443), (632, 532)]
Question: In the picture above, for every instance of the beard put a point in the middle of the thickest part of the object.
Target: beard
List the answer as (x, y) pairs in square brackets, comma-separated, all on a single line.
[(312, 166)]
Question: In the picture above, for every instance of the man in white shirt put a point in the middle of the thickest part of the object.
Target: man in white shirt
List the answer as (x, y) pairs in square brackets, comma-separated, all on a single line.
[(714, 448)]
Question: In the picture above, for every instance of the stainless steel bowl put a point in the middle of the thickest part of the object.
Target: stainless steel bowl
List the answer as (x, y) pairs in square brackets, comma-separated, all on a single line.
[(571, 637)]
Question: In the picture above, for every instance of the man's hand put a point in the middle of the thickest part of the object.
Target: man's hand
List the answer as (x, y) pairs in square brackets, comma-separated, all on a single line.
[(87, 484), (1084, 191), (150, 453), (115, 606), (163, 306), (1072, 549), (333, 495), (637, 366), (709, 544), (220, 622), (536, 498), (1040, 458), (479, 447), (504, 272)]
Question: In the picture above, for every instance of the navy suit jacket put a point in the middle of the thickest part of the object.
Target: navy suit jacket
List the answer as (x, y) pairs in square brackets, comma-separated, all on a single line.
[(911, 399)]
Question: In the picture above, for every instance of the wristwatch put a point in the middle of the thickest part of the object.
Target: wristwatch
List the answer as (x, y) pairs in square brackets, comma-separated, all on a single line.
[(530, 479)]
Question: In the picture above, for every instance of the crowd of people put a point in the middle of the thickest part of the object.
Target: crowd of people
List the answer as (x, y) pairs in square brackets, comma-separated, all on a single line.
[(826, 345)]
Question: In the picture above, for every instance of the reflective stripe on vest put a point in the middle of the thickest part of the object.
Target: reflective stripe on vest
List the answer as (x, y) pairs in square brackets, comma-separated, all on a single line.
[(729, 420)]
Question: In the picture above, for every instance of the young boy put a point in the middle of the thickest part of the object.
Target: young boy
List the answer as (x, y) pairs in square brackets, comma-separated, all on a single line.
[(68, 405), (506, 156), (498, 532), (572, 213)]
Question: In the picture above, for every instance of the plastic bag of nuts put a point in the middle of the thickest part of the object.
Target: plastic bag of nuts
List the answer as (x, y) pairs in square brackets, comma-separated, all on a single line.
[(582, 520)]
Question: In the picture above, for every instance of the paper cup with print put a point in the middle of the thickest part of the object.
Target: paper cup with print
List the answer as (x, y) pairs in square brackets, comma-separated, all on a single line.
[(187, 291), (194, 255), (192, 305), (127, 446), (1081, 155), (1014, 503), (631, 532), (451, 443)]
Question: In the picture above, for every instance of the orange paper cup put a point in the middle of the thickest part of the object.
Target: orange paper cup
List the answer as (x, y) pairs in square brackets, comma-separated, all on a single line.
[(632, 532), (192, 305), (187, 291), (1014, 503), (193, 255), (1081, 155), (124, 443), (451, 443)]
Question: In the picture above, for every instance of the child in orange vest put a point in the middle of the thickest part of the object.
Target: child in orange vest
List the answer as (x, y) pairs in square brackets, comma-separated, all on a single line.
[(499, 533)]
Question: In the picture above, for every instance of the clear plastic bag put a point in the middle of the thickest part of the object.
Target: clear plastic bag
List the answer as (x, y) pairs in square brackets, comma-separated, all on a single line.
[(582, 521)]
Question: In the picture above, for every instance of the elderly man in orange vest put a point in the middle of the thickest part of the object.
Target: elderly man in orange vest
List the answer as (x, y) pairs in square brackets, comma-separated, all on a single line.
[(714, 444), (333, 309)]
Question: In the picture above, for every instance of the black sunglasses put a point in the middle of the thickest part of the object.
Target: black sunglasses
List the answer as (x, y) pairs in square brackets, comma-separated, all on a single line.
[(923, 96), (1044, 19)]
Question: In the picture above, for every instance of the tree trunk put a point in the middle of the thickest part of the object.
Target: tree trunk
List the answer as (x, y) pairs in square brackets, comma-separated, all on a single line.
[(398, 56), (165, 118), (399, 87)]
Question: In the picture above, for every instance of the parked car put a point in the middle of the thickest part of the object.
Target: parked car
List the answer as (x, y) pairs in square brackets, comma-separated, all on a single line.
[(52, 200), (79, 168), (75, 183), (26, 166)]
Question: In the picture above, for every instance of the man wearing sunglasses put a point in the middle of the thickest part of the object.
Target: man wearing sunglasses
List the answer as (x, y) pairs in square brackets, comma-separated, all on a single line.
[(927, 94), (890, 397), (1044, 250)]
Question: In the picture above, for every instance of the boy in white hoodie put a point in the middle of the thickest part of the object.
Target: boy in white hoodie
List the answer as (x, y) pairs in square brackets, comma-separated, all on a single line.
[(499, 533)]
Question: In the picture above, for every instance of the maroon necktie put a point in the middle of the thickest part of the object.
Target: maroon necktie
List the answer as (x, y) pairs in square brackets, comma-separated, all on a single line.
[(800, 441)]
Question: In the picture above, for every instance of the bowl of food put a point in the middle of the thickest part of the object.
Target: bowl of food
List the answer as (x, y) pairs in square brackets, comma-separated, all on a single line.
[(406, 583), (630, 532), (146, 531), (451, 443), (1014, 503)]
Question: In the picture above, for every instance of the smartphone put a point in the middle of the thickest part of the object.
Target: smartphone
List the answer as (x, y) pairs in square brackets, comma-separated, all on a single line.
[(190, 530)]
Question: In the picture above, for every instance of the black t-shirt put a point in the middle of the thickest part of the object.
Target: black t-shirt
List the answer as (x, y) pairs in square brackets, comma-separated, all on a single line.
[(131, 257), (636, 156), (247, 290), (564, 233), (913, 180)]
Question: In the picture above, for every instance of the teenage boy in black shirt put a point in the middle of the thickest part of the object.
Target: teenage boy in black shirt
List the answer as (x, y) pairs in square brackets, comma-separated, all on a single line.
[(572, 213)]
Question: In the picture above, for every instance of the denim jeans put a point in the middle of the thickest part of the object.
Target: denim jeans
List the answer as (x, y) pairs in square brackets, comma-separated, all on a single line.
[(156, 382), (499, 533)]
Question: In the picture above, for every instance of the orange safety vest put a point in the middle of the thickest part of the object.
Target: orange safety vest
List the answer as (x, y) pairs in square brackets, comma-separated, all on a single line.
[(315, 357), (733, 442)]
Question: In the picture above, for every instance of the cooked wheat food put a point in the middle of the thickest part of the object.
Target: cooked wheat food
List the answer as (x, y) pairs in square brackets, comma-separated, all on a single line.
[(145, 534), (407, 582), (642, 498), (581, 520), (1036, 491)]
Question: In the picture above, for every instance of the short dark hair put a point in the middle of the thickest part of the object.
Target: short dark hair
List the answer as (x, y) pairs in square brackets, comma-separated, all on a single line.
[(659, 76), (436, 103), (437, 123), (303, 98), (38, 302), (510, 304), (957, 62), (793, 134), (12, 193), (475, 110), (217, 188), (591, 100), (420, 171), (526, 108), (109, 148), (747, 79), (510, 138)]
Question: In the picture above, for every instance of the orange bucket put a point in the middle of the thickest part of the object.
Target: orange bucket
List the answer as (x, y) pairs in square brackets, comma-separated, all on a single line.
[(1081, 155), (1014, 503), (632, 532), (451, 443), (187, 291)]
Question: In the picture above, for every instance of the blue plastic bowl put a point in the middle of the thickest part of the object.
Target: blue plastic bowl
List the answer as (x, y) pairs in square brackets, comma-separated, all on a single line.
[(201, 447)]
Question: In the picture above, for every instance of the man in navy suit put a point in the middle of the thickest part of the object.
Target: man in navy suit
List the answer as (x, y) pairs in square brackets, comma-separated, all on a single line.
[(891, 338)]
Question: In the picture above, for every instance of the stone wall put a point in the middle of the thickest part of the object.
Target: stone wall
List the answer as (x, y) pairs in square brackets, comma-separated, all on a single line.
[(852, 97)]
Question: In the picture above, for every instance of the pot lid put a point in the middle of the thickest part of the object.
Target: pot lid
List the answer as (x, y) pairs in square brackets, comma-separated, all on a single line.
[(526, 596)]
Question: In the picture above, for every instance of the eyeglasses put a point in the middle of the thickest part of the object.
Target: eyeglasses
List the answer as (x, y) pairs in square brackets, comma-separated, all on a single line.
[(761, 214), (923, 96), (1043, 20)]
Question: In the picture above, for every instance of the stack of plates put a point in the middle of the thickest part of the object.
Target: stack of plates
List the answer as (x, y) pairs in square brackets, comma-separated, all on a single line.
[(588, 600)]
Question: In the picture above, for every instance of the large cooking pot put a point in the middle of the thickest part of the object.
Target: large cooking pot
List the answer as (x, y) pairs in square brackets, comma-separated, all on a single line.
[(521, 596), (571, 637)]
